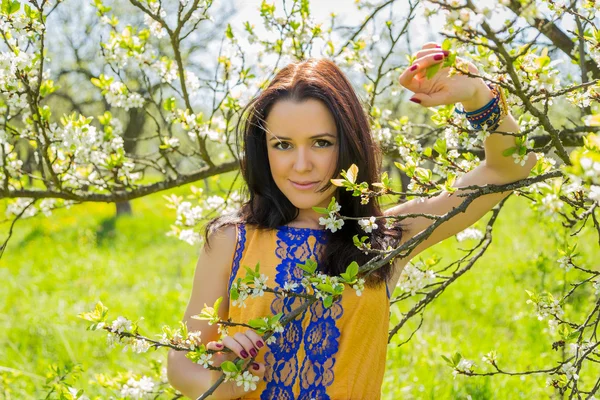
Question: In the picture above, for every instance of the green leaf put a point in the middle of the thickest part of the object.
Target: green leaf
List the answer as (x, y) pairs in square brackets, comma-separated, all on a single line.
[(309, 266), (326, 287), (432, 70), (217, 304), (328, 301), (352, 173), (229, 366), (440, 146), (321, 210), (168, 104), (258, 323), (446, 44), (229, 32), (456, 358), (509, 151), (447, 360), (352, 269)]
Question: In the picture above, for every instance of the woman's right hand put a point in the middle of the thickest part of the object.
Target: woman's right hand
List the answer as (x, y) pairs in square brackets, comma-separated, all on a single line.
[(244, 345)]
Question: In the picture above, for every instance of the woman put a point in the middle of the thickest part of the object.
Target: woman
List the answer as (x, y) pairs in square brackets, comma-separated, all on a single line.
[(299, 133)]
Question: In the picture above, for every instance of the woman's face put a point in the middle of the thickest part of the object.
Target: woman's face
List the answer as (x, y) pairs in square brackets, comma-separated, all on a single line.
[(302, 143)]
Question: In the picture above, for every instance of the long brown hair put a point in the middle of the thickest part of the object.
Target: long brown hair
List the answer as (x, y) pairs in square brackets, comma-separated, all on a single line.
[(267, 206)]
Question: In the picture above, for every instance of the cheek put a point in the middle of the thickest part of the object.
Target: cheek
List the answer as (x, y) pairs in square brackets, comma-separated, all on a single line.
[(276, 164)]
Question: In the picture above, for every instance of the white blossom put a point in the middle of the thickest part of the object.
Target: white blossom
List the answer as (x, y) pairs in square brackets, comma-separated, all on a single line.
[(595, 193), (260, 285), (248, 380), (570, 371), (190, 236), (138, 389), (291, 287), (140, 346), (551, 204), (413, 279), (469, 233), (121, 324), (359, 286), (368, 225), (331, 223), (464, 365), (565, 263), (205, 360)]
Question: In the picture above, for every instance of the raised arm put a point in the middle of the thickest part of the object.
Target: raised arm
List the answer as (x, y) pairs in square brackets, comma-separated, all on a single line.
[(497, 169)]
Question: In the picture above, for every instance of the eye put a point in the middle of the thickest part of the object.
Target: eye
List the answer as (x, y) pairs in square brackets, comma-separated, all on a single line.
[(276, 146), (327, 143)]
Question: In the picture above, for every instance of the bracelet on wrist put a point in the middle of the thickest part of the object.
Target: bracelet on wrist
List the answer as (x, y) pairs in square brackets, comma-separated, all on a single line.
[(490, 116)]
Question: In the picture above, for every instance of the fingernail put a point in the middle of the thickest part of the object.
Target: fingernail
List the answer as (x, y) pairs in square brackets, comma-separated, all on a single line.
[(255, 366), (260, 344), (438, 57), (253, 352), (414, 67), (244, 354), (446, 52), (219, 345), (438, 46), (415, 100)]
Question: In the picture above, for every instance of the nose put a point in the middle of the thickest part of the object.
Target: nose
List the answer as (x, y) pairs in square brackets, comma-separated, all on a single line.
[(302, 162)]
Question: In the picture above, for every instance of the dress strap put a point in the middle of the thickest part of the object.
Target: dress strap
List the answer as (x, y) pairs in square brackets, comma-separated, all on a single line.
[(239, 250)]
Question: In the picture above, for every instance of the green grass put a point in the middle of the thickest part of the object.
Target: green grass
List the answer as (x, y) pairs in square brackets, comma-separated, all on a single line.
[(57, 267)]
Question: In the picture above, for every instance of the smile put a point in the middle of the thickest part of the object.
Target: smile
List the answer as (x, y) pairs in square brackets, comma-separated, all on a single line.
[(304, 186)]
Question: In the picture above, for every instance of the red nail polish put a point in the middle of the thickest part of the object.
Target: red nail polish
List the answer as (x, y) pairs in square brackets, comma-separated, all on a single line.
[(260, 344), (255, 366), (244, 354), (414, 67), (438, 46), (446, 52), (219, 345), (414, 100), (438, 57), (253, 352)]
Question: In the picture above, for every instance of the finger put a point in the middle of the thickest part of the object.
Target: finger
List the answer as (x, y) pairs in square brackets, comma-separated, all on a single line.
[(430, 59), (427, 52), (255, 338), (247, 344), (214, 346), (430, 100), (257, 369), (431, 45), (240, 345), (235, 347), (420, 65)]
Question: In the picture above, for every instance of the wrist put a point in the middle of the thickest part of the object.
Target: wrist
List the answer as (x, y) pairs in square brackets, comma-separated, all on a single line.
[(482, 96)]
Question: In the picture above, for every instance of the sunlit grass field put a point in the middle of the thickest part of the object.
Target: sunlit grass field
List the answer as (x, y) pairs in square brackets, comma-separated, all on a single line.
[(55, 268)]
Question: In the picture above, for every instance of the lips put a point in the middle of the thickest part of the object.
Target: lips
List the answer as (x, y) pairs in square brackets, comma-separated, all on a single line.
[(303, 182), (304, 185)]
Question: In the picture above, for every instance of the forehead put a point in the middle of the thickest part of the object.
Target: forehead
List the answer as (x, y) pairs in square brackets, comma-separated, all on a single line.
[(299, 119)]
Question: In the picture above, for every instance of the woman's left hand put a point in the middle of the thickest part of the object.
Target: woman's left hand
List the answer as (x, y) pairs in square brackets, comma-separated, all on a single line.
[(442, 89)]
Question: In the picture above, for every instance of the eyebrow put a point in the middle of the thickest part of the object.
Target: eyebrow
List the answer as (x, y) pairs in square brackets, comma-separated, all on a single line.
[(312, 137)]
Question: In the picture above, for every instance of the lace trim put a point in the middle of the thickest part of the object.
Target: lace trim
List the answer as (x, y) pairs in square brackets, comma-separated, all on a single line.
[(239, 249), (321, 337)]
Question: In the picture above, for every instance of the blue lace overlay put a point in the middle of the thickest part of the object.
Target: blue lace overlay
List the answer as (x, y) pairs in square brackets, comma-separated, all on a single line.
[(239, 249), (319, 339)]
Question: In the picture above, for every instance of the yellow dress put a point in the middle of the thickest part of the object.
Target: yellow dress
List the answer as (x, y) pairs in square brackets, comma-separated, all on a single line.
[(329, 353)]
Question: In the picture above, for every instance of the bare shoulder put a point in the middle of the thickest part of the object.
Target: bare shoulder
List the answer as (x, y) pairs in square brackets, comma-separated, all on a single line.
[(223, 239), (211, 277)]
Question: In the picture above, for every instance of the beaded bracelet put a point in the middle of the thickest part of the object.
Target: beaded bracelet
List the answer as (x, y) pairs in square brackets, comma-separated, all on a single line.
[(489, 116)]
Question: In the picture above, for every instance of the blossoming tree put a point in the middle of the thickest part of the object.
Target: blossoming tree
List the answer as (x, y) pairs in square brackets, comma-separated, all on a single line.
[(545, 55)]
